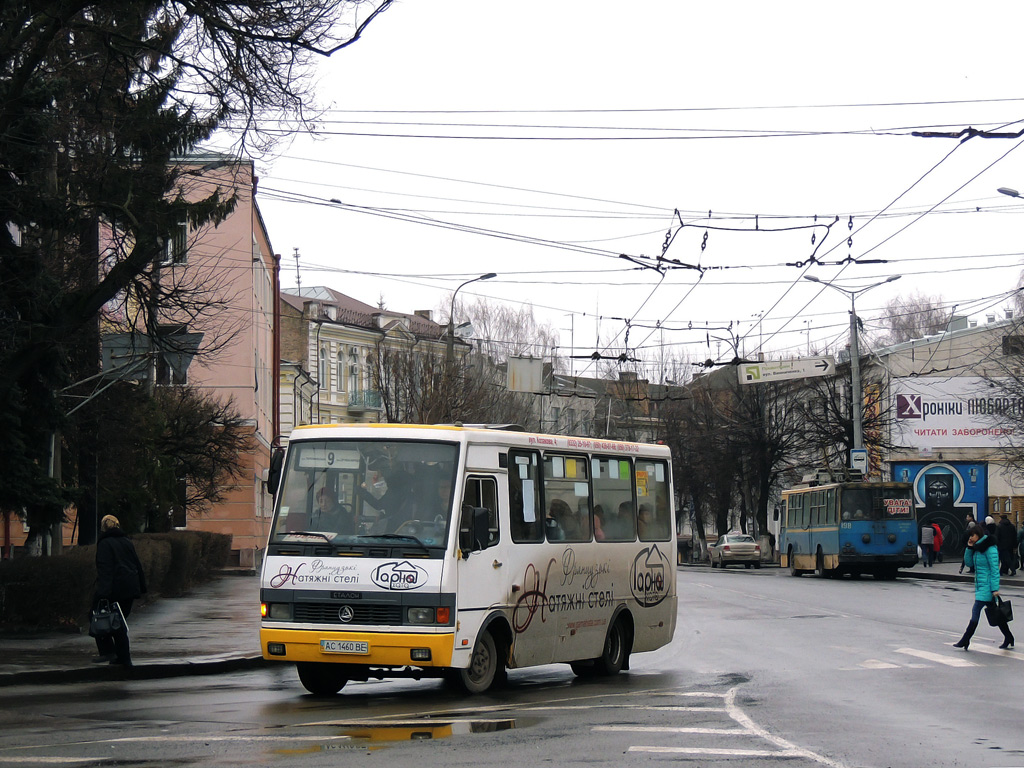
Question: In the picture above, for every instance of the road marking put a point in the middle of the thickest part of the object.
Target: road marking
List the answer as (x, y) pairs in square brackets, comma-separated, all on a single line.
[(789, 749), (719, 751), (938, 658), (566, 707), (998, 652), (876, 664), (52, 760), (670, 729)]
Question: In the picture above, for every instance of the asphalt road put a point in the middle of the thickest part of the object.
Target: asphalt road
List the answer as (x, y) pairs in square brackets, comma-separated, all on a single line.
[(765, 670)]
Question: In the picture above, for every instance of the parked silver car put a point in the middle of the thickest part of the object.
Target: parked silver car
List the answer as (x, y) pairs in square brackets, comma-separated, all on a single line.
[(735, 548)]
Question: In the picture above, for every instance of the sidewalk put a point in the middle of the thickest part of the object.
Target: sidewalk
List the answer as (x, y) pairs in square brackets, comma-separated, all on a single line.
[(950, 571), (212, 630)]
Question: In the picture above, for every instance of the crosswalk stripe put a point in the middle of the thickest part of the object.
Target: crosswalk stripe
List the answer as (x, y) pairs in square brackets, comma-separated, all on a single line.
[(997, 652), (938, 658), (670, 729), (876, 664), (719, 751)]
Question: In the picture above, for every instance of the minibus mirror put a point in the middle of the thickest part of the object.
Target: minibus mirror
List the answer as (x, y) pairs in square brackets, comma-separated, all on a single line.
[(474, 529), (274, 475)]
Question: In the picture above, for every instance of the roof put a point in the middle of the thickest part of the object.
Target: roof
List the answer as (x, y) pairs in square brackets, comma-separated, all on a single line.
[(351, 311)]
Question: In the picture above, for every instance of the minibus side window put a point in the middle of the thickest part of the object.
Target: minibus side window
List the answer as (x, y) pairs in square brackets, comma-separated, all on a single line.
[(526, 516)]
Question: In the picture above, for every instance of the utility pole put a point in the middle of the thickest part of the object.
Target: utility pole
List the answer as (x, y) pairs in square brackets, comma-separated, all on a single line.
[(449, 366), (858, 404)]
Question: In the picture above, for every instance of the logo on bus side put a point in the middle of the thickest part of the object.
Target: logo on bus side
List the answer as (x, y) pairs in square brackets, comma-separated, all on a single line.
[(399, 576), (648, 577)]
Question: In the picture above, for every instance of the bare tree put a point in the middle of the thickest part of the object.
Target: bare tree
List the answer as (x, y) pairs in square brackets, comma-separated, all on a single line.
[(501, 331), (98, 102), (418, 386), (913, 317)]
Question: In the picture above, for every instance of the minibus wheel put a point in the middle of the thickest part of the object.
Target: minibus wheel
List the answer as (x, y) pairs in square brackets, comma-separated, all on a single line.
[(321, 679), (613, 657), (483, 667)]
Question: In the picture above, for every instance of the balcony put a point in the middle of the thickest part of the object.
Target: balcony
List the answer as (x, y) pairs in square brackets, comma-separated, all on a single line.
[(364, 400)]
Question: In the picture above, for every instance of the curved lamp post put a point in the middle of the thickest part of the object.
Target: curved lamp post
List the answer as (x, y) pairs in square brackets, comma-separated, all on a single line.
[(858, 405), (450, 352)]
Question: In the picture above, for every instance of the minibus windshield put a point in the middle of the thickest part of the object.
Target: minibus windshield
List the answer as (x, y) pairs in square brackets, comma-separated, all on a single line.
[(360, 491)]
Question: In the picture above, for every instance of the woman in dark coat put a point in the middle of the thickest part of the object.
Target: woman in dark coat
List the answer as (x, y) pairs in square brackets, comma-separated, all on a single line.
[(982, 555), (119, 579)]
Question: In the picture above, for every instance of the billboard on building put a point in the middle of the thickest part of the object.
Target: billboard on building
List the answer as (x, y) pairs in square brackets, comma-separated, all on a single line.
[(944, 494), (956, 412)]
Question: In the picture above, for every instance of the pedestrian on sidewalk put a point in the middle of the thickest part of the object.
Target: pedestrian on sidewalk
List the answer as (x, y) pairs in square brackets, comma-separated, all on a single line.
[(938, 542), (1006, 539), (927, 546), (119, 579), (982, 555), (1020, 545)]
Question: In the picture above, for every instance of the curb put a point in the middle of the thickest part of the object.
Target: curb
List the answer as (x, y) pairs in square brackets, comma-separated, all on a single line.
[(154, 670)]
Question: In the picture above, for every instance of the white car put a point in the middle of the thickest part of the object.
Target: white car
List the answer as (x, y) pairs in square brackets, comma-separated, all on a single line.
[(735, 548)]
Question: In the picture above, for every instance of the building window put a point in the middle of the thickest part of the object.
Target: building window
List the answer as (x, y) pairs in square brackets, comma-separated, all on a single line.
[(167, 375), (1013, 345), (339, 378), (176, 245), (353, 370), (322, 371)]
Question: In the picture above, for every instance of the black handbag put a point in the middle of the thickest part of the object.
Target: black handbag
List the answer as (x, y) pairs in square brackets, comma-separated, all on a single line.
[(999, 612), (105, 619)]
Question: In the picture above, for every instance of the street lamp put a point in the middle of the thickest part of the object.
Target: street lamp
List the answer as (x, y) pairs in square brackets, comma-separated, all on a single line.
[(1010, 192), (450, 355), (858, 405)]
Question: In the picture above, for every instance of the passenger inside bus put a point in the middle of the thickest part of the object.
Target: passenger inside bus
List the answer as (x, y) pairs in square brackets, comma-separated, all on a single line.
[(599, 534), (560, 523), (644, 523), (331, 516)]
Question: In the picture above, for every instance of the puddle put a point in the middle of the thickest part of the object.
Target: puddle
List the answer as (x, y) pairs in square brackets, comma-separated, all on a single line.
[(369, 735)]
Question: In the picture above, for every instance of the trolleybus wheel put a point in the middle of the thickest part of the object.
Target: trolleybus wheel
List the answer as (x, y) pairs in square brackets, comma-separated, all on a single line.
[(819, 563), (483, 667), (321, 679), (793, 570)]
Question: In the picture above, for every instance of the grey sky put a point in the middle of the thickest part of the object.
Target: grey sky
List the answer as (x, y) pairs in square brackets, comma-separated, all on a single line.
[(614, 115)]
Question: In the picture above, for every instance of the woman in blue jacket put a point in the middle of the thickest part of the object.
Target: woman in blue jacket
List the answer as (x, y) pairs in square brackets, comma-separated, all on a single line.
[(983, 556)]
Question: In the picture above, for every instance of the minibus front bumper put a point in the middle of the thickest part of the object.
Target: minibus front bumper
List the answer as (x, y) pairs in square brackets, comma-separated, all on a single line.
[(368, 649)]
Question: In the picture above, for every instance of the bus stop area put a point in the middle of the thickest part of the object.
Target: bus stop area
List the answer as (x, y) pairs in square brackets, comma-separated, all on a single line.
[(212, 630)]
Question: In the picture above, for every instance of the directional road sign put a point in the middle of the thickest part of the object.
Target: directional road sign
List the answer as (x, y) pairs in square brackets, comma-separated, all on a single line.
[(780, 370)]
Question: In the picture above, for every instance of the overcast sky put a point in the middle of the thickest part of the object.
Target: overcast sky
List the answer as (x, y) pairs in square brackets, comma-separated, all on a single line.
[(545, 141)]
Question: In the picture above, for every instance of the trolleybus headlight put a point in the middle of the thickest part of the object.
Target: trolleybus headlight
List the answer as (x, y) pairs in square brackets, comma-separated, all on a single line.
[(421, 615), (276, 649), (279, 611), (866, 538), (892, 538), (420, 654)]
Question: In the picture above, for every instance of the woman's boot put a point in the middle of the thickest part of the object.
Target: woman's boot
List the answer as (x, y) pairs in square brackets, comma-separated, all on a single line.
[(1007, 635), (965, 641)]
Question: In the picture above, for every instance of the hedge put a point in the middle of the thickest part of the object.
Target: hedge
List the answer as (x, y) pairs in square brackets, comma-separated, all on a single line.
[(57, 592)]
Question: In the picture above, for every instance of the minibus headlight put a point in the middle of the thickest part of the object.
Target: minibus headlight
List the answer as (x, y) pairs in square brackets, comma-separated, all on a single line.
[(421, 615), (279, 611)]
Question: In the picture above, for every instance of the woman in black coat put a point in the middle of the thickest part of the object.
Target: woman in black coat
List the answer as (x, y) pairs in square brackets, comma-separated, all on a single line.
[(119, 579)]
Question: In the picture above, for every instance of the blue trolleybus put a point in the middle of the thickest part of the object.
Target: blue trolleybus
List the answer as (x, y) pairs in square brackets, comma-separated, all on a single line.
[(835, 528)]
